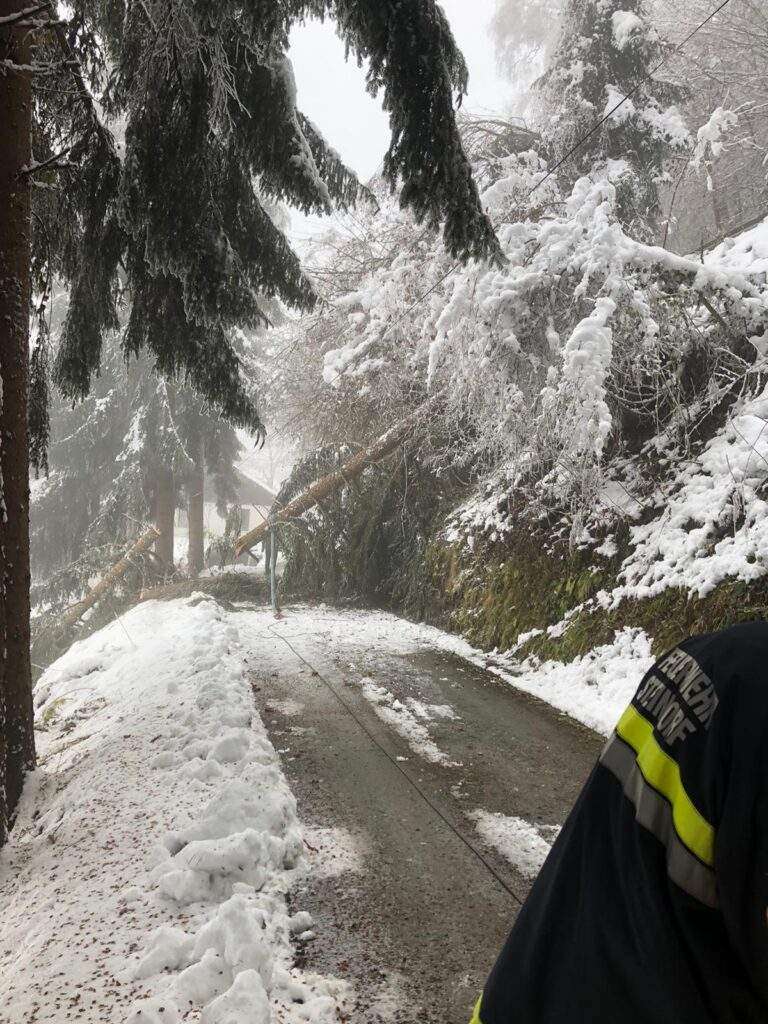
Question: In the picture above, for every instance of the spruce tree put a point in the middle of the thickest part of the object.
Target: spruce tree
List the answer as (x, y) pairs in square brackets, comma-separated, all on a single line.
[(108, 456), (209, 104), (17, 749), (606, 50), (175, 220)]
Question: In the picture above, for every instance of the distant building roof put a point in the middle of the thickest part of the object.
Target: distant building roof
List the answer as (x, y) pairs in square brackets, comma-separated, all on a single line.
[(251, 492)]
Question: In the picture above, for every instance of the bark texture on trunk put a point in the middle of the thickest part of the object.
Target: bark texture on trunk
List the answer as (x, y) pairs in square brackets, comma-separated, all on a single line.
[(17, 747), (195, 516), (109, 579), (327, 485), (164, 510)]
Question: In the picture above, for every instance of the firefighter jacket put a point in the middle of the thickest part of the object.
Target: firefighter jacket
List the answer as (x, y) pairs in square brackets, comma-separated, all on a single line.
[(651, 908)]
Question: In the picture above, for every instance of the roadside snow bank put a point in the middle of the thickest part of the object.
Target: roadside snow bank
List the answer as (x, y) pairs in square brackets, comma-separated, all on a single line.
[(146, 878)]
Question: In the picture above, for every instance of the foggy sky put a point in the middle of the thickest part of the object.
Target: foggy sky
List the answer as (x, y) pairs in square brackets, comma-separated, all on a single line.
[(332, 93)]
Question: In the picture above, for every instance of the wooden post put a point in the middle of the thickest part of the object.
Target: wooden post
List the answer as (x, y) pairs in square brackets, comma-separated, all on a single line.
[(17, 744), (319, 490), (109, 579), (195, 517), (164, 510)]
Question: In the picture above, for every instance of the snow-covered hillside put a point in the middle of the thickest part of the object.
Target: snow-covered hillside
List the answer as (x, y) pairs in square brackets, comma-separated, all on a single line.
[(147, 877), (692, 498)]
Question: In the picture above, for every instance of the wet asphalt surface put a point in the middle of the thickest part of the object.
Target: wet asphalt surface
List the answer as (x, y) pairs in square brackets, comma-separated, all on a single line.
[(417, 929)]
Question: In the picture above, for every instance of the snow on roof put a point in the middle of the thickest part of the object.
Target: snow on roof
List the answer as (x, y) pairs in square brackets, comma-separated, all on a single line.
[(253, 492)]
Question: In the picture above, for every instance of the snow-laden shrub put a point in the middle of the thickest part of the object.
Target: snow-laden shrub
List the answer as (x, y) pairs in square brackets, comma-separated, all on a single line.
[(587, 344)]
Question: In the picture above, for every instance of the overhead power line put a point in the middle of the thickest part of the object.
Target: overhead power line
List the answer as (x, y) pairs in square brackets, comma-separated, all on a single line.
[(625, 99), (406, 775)]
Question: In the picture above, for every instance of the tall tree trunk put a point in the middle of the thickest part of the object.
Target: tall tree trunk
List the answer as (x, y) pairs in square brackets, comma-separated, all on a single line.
[(164, 509), (17, 747), (195, 516), (718, 211)]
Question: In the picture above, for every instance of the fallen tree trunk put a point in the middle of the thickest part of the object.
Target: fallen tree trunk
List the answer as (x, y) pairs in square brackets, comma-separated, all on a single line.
[(108, 581), (326, 486)]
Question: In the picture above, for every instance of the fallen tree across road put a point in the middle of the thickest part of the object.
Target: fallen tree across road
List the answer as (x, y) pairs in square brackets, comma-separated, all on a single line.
[(326, 486)]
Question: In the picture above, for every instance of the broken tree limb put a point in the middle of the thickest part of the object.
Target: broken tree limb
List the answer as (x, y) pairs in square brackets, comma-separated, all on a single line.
[(327, 485), (108, 581)]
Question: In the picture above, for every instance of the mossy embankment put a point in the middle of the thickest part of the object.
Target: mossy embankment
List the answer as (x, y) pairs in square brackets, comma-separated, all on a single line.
[(385, 546), (496, 592)]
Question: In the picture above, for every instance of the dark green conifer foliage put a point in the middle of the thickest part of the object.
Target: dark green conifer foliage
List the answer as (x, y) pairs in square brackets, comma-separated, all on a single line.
[(400, 39), (105, 454), (175, 224)]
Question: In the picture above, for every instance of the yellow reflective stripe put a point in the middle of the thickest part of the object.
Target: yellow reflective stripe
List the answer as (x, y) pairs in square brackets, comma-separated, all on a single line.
[(663, 773), (476, 1014)]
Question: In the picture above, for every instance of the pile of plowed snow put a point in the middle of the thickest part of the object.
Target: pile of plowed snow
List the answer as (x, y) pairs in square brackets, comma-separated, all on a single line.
[(146, 878)]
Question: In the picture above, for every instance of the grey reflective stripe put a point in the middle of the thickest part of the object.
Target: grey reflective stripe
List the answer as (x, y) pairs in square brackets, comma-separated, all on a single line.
[(654, 813)]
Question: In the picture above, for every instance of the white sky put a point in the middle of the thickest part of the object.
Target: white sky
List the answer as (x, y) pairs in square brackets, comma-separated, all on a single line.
[(331, 92)]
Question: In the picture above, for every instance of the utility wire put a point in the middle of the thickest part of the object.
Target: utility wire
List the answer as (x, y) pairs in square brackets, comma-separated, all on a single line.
[(552, 170), (350, 711), (412, 782), (632, 92)]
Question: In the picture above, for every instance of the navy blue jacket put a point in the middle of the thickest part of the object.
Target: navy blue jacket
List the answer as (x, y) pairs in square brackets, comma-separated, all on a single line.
[(651, 908)]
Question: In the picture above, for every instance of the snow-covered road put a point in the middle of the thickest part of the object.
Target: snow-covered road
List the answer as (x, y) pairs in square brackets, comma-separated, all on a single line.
[(437, 786), (160, 872)]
